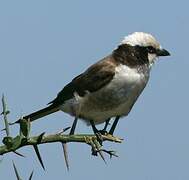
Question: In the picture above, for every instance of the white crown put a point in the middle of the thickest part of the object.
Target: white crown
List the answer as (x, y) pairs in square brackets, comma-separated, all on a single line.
[(141, 39)]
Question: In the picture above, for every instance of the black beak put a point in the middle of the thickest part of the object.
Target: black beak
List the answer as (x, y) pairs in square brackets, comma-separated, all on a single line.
[(162, 52)]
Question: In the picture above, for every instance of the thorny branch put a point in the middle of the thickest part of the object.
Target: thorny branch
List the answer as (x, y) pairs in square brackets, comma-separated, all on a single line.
[(21, 141), (12, 144)]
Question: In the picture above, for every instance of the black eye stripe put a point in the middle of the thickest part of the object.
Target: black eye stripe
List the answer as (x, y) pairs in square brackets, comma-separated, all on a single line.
[(151, 49)]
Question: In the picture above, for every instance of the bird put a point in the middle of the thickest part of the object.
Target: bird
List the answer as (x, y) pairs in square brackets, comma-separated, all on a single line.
[(110, 87)]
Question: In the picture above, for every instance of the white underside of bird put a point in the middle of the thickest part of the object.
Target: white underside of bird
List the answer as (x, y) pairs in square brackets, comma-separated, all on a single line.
[(115, 99)]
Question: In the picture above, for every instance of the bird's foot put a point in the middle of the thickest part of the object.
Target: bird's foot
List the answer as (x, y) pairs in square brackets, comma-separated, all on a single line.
[(99, 137), (102, 132), (111, 153)]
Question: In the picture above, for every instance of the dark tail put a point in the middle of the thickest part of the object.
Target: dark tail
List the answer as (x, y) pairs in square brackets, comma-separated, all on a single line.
[(41, 113)]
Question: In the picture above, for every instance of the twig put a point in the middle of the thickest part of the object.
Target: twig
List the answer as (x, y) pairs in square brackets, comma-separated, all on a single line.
[(5, 112), (20, 141)]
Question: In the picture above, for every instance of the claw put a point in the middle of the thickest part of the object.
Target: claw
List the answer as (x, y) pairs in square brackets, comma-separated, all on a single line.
[(111, 153), (99, 138), (97, 132)]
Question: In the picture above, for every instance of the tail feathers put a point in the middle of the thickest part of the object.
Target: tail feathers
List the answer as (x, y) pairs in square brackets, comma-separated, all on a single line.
[(41, 113)]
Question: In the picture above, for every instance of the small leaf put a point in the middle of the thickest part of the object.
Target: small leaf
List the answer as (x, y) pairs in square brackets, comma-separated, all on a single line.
[(8, 141), (38, 156), (7, 112), (16, 142), (25, 127)]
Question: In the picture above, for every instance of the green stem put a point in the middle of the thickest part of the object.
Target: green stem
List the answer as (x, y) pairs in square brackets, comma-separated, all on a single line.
[(80, 138)]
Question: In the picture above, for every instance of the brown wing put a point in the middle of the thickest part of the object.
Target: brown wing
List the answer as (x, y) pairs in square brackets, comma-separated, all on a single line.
[(93, 79)]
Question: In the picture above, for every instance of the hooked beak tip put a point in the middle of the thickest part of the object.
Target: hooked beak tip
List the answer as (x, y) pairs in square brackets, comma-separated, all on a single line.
[(163, 52)]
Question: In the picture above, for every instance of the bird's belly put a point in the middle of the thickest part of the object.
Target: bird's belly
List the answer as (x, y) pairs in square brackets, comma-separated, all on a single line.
[(102, 106), (115, 99)]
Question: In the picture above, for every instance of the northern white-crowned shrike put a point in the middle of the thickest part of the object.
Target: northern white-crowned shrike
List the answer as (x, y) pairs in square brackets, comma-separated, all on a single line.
[(110, 87)]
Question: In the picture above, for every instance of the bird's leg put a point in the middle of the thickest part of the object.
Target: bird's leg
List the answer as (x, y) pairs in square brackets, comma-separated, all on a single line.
[(114, 125), (73, 126), (96, 132), (76, 111), (104, 130), (106, 124)]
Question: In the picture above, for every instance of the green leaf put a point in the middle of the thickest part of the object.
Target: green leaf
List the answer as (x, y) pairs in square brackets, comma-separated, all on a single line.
[(8, 141), (16, 142)]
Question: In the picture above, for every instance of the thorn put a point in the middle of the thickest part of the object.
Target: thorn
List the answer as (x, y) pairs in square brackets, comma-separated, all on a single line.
[(65, 129), (31, 175), (3, 129), (65, 151), (19, 154), (97, 145), (39, 156), (16, 172), (12, 123), (7, 112), (102, 156), (40, 137)]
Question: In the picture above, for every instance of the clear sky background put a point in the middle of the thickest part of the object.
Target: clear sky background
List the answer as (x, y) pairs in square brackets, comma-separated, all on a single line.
[(44, 44)]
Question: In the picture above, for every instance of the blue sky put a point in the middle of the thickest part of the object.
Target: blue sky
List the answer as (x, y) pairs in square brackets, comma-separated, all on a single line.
[(44, 44)]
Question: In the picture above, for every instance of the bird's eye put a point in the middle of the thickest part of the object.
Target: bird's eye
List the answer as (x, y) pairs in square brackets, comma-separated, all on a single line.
[(151, 49)]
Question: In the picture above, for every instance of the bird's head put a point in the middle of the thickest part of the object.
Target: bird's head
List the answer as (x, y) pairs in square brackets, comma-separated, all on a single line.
[(148, 42)]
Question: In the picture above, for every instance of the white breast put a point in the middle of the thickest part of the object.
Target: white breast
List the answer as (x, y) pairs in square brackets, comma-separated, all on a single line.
[(126, 76), (115, 99)]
